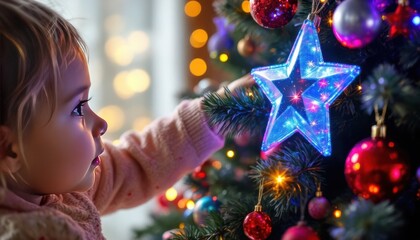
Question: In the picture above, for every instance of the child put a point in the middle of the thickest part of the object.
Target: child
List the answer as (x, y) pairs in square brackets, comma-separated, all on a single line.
[(58, 176)]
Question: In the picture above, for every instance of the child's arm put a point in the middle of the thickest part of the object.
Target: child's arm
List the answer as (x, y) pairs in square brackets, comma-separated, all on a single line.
[(147, 163)]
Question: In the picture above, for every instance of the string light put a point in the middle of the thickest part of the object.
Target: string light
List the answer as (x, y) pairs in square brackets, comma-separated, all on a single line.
[(230, 153), (224, 57), (171, 194), (337, 213)]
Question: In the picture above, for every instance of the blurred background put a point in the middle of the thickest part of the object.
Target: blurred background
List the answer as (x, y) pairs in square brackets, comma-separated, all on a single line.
[(144, 56)]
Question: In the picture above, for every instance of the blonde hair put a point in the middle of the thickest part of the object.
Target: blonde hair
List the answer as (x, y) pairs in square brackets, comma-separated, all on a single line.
[(35, 42)]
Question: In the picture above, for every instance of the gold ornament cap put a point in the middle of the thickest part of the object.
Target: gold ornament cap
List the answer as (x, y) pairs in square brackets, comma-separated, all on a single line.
[(378, 131)]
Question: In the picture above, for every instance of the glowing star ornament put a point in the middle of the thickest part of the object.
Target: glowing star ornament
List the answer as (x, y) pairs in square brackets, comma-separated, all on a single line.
[(301, 92)]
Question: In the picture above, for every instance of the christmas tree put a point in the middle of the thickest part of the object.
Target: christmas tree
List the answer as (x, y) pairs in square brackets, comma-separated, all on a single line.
[(324, 146)]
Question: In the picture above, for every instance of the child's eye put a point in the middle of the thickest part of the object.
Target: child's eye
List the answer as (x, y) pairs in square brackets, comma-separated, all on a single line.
[(78, 110)]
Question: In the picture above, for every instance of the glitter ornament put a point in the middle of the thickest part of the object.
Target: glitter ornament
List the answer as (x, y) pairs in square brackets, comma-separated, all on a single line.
[(203, 207), (257, 225), (319, 206), (375, 168), (300, 232), (273, 13), (356, 23)]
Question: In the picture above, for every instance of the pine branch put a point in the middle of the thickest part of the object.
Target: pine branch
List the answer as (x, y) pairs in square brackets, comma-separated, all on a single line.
[(290, 176), (237, 112)]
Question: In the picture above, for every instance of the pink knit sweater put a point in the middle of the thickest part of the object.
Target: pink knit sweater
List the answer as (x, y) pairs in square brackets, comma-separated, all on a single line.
[(143, 165)]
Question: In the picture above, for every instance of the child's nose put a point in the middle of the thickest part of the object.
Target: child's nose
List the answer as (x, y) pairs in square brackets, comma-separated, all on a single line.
[(100, 126)]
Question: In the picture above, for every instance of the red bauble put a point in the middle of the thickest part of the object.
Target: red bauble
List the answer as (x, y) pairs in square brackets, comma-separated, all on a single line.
[(300, 232), (400, 21), (376, 169), (257, 225), (318, 207), (273, 13)]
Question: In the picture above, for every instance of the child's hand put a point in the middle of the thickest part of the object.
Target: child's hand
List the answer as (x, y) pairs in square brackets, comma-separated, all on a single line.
[(244, 81)]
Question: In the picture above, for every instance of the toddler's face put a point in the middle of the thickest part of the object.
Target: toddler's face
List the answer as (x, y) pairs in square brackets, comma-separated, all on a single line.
[(62, 152)]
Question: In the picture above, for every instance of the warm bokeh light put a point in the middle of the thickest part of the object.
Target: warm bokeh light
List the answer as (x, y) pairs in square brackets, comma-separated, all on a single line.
[(198, 67), (230, 153), (171, 194), (182, 203), (198, 38), (139, 41), (141, 122), (216, 164), (190, 204), (337, 213), (114, 116), (119, 51), (245, 6), (128, 83), (223, 57), (122, 50), (138, 80), (192, 8)]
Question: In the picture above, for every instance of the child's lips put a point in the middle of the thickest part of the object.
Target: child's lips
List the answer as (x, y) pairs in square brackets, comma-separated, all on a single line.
[(96, 161)]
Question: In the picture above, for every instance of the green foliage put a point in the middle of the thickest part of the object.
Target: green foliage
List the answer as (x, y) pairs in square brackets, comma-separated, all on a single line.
[(366, 220), (244, 110), (300, 172), (160, 224), (387, 86)]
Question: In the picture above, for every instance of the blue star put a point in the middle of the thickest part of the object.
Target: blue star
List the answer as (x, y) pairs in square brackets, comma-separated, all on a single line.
[(301, 92)]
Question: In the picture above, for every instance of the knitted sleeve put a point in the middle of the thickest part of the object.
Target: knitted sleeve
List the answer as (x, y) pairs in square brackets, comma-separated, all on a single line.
[(146, 163)]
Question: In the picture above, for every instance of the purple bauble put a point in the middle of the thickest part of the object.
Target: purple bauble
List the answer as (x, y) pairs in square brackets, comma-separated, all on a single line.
[(221, 40), (356, 23), (273, 13)]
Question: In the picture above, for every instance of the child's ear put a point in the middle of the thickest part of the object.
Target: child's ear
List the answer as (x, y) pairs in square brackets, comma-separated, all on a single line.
[(9, 161)]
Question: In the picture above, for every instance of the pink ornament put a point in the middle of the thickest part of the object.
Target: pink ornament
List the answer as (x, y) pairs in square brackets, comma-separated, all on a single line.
[(257, 225), (300, 232), (318, 207), (273, 13)]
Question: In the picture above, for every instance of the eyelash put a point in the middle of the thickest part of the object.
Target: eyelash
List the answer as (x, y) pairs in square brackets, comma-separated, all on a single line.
[(78, 110)]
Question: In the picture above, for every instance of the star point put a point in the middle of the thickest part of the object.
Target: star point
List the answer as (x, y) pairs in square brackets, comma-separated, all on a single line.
[(309, 85)]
